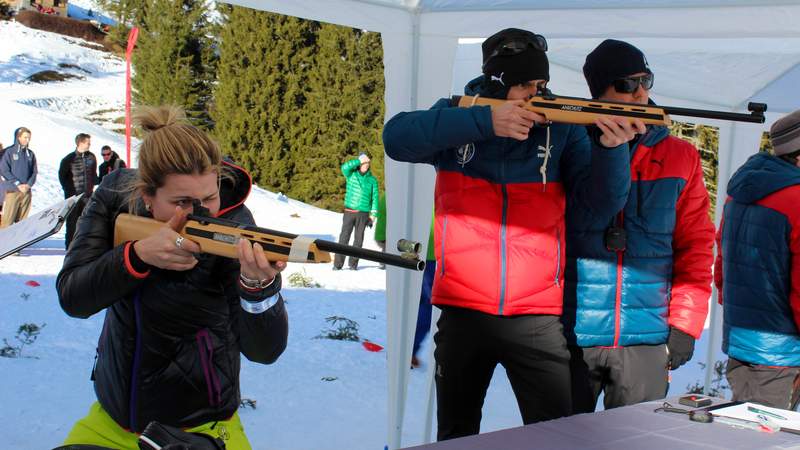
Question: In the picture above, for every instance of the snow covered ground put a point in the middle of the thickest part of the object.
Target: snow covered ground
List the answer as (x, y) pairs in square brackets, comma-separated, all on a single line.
[(321, 394)]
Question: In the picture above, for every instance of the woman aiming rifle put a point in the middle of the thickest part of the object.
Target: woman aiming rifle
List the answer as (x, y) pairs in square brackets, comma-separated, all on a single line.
[(176, 320)]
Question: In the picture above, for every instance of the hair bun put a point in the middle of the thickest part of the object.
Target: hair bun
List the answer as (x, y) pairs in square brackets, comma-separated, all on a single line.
[(152, 118)]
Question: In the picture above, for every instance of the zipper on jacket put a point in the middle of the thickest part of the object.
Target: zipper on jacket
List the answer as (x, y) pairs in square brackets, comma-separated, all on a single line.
[(137, 357), (444, 238), (638, 194), (558, 254), (206, 350), (503, 251), (618, 291), (97, 349)]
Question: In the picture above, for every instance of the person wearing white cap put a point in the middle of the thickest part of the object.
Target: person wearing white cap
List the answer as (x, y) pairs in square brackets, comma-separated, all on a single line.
[(757, 272)]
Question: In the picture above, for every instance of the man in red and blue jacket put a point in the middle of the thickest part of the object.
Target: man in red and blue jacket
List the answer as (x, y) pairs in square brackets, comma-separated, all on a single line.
[(503, 179), (758, 272), (638, 280)]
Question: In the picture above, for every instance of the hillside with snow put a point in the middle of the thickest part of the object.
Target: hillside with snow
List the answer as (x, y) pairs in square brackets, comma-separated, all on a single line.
[(321, 393)]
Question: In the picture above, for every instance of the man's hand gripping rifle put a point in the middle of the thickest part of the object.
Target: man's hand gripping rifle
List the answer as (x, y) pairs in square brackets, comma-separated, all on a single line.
[(581, 111), (219, 237)]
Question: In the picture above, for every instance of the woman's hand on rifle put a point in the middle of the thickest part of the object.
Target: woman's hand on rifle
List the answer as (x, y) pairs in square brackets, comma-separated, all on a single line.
[(167, 249), (254, 263)]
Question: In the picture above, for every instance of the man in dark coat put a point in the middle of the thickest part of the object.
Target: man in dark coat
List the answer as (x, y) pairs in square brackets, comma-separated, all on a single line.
[(77, 176), (111, 162)]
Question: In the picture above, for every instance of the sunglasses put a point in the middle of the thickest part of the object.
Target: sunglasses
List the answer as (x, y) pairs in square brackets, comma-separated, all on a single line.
[(106, 154), (630, 84), (516, 45)]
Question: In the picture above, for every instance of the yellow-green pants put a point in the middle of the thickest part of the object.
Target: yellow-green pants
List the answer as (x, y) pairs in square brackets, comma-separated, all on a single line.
[(98, 428)]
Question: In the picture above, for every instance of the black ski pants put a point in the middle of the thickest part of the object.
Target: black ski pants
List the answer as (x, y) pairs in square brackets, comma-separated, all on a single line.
[(470, 344), (625, 375), (351, 220), (72, 220), (778, 387)]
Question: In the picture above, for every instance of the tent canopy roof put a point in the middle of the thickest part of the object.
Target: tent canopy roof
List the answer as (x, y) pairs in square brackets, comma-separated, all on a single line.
[(706, 53), (483, 5)]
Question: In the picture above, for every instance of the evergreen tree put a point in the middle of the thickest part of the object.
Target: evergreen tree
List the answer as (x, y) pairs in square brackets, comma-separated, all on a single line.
[(173, 61), (127, 14), (766, 144), (259, 101), (706, 140), (344, 114)]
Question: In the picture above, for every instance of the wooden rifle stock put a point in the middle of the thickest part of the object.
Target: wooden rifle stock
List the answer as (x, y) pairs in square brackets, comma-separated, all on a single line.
[(581, 111), (219, 237)]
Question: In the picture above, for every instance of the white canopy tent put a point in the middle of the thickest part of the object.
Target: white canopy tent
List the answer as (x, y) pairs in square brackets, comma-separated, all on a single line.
[(713, 54)]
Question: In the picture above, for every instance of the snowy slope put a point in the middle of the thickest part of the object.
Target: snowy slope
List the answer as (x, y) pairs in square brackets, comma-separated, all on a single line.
[(321, 394)]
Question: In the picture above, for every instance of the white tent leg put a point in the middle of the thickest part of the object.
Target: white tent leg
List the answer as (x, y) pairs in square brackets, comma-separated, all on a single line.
[(431, 382), (409, 202)]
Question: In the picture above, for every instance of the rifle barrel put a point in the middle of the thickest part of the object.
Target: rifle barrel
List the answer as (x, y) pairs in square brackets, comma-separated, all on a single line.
[(719, 115), (370, 255)]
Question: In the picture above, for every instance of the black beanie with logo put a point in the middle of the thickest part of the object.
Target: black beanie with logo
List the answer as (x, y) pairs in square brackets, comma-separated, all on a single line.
[(502, 71), (610, 61)]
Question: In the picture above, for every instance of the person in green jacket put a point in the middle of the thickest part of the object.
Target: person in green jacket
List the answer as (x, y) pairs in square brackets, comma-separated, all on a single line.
[(380, 226), (360, 205)]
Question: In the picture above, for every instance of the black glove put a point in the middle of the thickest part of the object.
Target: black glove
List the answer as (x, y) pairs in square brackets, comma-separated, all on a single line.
[(680, 347)]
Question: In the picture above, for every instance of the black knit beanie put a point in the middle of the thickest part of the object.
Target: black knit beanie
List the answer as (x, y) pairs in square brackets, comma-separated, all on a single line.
[(610, 61), (501, 71)]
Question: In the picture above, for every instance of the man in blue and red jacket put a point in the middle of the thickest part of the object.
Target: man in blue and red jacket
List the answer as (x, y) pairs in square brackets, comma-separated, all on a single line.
[(758, 272), (638, 280), (503, 178)]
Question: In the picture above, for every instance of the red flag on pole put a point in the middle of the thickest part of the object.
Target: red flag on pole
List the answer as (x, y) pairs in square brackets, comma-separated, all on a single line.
[(128, 53)]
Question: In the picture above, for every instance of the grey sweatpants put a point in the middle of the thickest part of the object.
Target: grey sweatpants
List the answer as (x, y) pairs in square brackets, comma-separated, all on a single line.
[(625, 375), (771, 386)]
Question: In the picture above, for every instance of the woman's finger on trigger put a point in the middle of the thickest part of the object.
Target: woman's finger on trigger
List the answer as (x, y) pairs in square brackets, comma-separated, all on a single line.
[(261, 257)]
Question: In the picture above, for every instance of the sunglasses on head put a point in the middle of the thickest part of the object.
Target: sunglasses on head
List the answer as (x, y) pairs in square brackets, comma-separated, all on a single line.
[(516, 45), (629, 85)]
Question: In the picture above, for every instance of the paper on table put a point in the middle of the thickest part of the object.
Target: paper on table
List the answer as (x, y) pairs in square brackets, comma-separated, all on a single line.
[(782, 417)]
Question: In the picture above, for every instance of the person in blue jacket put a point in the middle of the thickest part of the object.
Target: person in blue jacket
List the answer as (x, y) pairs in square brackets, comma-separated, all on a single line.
[(757, 272), (18, 170), (637, 281), (503, 178)]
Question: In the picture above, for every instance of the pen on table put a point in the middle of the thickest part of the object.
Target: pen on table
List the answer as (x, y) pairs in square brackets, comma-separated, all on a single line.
[(766, 413)]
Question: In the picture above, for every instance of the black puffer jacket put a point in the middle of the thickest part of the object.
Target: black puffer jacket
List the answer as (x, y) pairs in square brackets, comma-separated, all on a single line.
[(169, 349), (77, 173), (109, 166)]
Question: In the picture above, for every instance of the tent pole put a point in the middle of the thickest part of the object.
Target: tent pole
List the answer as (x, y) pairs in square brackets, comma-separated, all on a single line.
[(396, 427), (724, 152), (430, 374)]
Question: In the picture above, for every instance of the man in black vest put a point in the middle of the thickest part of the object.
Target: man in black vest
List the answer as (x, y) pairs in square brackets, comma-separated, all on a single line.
[(77, 175)]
